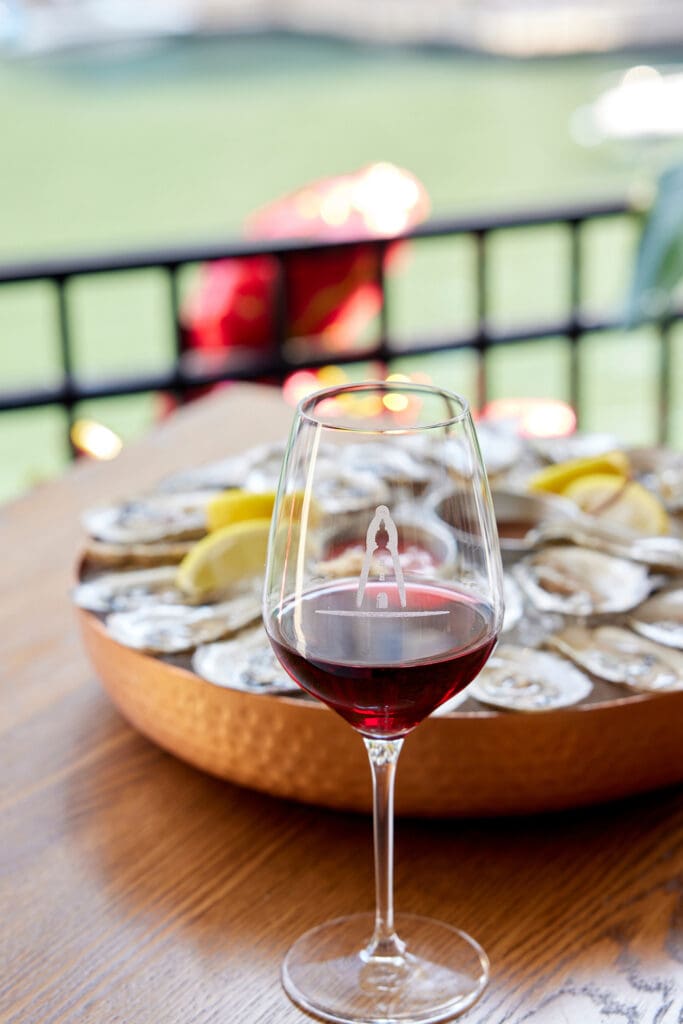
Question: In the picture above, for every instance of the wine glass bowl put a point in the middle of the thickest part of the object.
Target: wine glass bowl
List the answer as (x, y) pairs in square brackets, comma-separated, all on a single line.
[(384, 612)]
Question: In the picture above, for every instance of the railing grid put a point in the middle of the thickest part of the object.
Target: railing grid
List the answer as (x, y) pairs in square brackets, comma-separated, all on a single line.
[(181, 378)]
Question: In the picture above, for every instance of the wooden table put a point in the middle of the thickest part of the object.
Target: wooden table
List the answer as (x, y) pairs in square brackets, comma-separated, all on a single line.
[(134, 889)]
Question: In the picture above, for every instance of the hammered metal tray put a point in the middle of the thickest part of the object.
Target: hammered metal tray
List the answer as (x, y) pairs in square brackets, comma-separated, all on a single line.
[(473, 761)]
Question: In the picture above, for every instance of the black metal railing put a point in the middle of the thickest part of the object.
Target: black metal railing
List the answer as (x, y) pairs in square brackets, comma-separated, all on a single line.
[(183, 377)]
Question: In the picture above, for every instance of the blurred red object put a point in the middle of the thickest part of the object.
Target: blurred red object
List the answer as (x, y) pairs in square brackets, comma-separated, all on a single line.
[(330, 296)]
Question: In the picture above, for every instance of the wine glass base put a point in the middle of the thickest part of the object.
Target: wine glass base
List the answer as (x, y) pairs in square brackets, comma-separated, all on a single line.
[(329, 973)]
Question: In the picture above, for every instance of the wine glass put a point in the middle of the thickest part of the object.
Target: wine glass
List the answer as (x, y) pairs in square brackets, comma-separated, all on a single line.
[(383, 598)]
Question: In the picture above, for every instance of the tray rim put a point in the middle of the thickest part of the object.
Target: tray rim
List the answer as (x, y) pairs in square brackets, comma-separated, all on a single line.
[(550, 742)]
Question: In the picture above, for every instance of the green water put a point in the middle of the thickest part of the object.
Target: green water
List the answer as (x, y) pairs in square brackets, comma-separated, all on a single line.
[(178, 143)]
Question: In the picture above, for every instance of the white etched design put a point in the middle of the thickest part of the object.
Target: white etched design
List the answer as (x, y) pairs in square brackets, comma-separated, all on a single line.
[(381, 522)]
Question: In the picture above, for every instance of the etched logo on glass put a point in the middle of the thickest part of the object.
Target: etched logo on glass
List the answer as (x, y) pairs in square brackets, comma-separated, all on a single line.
[(382, 536), (381, 548)]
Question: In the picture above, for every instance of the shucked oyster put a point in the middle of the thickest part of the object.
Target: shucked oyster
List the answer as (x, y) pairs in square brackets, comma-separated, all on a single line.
[(256, 469), (394, 464), (245, 663), (214, 476), (125, 591), (619, 656), (153, 517), (262, 469), (671, 487), (340, 490), (658, 552), (577, 581), (514, 603), (525, 680), (661, 618), (169, 629), (575, 446), (662, 471), (123, 556), (514, 606), (500, 450)]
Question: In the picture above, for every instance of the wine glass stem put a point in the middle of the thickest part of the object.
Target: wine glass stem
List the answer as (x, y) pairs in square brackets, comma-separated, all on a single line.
[(383, 754)]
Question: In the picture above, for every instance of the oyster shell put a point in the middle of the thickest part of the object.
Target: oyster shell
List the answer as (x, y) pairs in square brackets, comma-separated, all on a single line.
[(153, 517), (662, 472), (124, 591), (518, 516), (619, 656), (578, 581), (120, 556), (214, 476), (514, 603), (393, 464), (262, 463), (245, 663), (499, 448), (360, 488), (343, 491), (172, 628), (520, 679), (262, 467), (660, 552), (575, 446), (671, 488), (661, 618)]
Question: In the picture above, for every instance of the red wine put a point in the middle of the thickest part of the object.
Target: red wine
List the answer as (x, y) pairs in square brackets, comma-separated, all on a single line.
[(388, 664)]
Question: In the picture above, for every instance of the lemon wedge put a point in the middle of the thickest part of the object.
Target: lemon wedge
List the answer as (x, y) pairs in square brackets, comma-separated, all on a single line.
[(619, 501), (224, 558), (236, 506), (558, 477)]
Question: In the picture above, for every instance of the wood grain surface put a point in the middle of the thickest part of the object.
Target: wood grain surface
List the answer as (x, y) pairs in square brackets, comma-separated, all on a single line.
[(136, 890)]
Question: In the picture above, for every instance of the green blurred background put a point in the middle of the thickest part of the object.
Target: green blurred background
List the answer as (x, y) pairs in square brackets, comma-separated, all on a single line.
[(116, 150)]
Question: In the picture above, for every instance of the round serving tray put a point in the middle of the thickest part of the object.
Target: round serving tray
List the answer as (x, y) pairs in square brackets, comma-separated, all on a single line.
[(467, 763)]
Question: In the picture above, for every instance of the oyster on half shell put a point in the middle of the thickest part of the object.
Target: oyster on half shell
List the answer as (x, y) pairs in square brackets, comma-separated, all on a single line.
[(619, 656), (246, 662), (394, 464), (172, 628), (499, 448), (661, 618), (125, 591), (125, 556), (521, 679), (662, 471), (149, 518), (671, 488), (261, 464), (514, 603), (575, 446), (340, 490), (214, 476), (578, 581)]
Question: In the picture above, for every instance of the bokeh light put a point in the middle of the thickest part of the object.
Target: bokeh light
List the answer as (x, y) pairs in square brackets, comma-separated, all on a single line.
[(95, 440), (533, 417)]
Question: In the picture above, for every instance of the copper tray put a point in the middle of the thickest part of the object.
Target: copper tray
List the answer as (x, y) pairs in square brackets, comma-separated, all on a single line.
[(468, 763)]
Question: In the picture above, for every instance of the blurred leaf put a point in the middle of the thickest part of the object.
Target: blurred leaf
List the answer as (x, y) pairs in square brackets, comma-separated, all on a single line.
[(659, 260)]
